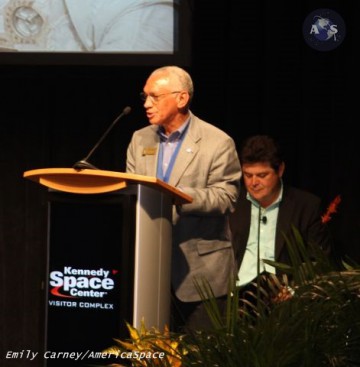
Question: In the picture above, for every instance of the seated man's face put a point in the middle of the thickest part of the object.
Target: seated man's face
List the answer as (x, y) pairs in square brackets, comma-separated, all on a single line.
[(262, 182)]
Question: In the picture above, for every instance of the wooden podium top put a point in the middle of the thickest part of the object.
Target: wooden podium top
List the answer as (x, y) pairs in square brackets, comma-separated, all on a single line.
[(88, 181)]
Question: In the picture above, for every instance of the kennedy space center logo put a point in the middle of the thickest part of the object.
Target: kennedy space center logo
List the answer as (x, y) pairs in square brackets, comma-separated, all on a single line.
[(324, 30), (75, 283)]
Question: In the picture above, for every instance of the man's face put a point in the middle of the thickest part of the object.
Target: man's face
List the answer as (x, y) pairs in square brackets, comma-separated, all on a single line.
[(161, 103), (262, 181)]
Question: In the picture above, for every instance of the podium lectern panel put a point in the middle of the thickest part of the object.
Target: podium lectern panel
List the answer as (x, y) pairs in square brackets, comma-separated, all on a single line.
[(108, 259)]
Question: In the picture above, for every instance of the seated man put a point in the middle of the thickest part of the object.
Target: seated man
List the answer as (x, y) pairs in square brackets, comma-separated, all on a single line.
[(267, 209)]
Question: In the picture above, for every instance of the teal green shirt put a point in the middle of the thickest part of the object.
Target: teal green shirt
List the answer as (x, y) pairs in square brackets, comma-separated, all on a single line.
[(262, 233)]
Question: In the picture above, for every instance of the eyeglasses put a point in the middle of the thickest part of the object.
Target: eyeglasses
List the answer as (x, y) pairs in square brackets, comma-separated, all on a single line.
[(154, 98)]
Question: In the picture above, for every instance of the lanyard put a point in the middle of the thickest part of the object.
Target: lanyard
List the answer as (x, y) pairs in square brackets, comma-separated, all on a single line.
[(160, 174)]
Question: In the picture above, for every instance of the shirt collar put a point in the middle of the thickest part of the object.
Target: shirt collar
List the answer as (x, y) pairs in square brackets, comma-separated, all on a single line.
[(275, 203), (175, 135)]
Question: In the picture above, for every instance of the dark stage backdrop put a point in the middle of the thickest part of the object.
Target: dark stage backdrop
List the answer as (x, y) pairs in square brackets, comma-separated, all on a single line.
[(253, 73)]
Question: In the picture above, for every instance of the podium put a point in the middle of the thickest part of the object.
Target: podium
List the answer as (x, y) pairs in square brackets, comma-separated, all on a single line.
[(108, 258)]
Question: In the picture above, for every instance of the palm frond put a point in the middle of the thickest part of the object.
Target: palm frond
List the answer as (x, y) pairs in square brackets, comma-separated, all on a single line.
[(307, 315)]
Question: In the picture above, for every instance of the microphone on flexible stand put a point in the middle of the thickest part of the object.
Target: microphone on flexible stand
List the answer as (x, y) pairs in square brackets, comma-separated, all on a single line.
[(83, 164)]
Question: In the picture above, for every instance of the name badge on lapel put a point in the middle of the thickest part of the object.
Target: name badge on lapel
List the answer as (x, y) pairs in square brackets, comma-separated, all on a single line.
[(149, 151)]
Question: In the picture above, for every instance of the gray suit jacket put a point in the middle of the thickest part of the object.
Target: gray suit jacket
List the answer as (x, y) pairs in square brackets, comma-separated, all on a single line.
[(207, 168)]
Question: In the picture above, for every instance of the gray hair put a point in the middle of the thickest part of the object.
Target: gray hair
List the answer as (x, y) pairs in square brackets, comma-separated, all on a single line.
[(180, 75)]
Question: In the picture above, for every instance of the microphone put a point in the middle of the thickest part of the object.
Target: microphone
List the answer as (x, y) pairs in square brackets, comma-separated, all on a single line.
[(83, 164), (264, 220)]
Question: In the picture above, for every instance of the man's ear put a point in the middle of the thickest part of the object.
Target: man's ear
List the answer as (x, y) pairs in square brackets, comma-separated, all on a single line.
[(281, 169), (183, 99)]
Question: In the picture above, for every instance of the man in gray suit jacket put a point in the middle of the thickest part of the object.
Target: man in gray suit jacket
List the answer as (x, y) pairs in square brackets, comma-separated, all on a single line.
[(201, 160)]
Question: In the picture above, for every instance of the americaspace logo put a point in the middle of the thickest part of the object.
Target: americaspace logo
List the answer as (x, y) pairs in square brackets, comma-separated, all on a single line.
[(324, 30)]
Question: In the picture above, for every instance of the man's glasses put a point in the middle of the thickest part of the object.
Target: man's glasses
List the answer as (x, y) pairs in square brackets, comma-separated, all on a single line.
[(155, 98)]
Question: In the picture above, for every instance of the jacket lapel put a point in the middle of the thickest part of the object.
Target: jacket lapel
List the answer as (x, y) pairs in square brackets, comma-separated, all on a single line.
[(150, 151), (187, 152), (283, 223)]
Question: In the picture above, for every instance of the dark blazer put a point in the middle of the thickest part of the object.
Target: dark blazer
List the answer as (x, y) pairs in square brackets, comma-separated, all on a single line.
[(298, 208), (208, 169)]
